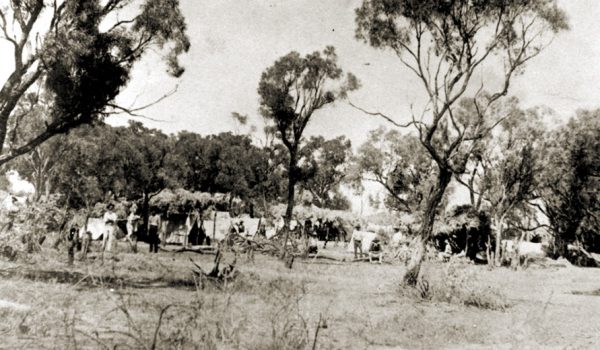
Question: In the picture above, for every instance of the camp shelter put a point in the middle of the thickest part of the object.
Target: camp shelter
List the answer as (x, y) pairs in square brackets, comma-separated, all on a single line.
[(464, 228), (224, 222)]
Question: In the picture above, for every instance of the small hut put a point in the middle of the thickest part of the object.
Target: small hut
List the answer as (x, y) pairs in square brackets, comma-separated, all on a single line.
[(465, 229)]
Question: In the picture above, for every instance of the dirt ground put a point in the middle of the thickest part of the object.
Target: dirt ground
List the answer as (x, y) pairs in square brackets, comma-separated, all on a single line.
[(319, 304)]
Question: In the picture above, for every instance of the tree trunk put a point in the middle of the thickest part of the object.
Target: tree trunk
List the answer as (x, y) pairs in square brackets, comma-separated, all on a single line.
[(434, 200), (499, 223), (289, 211)]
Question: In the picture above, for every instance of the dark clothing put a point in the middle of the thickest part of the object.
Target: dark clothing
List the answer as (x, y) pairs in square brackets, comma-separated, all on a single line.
[(72, 245), (153, 238), (308, 227), (375, 247)]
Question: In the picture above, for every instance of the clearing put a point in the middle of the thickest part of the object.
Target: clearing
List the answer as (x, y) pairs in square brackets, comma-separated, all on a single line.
[(48, 305)]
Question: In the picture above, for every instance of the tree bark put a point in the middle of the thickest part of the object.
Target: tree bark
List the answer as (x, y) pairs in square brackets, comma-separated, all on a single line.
[(435, 198), (289, 211), (499, 223)]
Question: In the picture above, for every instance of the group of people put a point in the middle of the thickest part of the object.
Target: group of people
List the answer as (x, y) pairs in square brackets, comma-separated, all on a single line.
[(109, 219), (324, 230), (132, 226), (375, 250)]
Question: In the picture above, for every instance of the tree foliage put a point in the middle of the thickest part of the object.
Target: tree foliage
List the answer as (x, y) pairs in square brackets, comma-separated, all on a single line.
[(291, 91), (570, 186), (444, 44), (78, 55), (328, 160), (400, 164)]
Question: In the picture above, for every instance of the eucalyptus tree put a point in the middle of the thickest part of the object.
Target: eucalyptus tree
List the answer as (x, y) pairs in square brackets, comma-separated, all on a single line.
[(400, 164), (570, 182), (329, 160), (503, 171), (79, 54), (291, 91), (445, 44)]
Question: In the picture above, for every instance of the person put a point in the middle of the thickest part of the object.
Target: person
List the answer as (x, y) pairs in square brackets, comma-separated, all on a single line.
[(85, 244), (308, 227), (153, 225), (110, 221), (357, 237), (318, 229), (329, 232), (312, 244), (261, 231), (375, 250), (132, 221), (72, 244), (447, 253), (132, 227), (241, 228)]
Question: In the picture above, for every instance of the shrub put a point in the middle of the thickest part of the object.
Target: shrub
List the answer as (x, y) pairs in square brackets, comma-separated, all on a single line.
[(458, 285)]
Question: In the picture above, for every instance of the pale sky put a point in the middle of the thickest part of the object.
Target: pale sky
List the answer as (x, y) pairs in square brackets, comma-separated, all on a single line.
[(234, 41)]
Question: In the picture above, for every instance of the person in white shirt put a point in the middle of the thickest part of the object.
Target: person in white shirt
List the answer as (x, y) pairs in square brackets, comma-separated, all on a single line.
[(110, 221), (132, 221), (357, 237)]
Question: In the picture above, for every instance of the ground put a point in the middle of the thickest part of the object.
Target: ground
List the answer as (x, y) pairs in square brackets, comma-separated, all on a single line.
[(357, 305)]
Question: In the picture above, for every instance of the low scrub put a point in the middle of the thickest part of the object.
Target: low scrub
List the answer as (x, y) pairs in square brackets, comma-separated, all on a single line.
[(457, 285)]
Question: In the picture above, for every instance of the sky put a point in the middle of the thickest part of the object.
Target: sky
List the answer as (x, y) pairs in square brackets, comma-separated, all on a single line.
[(234, 41)]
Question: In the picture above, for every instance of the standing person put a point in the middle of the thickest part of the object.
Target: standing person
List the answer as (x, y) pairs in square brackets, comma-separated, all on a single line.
[(357, 237), (132, 227), (154, 224), (329, 231), (85, 244), (308, 227), (110, 221), (72, 244), (132, 221), (318, 228)]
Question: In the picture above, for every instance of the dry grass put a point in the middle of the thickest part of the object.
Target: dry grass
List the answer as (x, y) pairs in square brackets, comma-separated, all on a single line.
[(356, 305)]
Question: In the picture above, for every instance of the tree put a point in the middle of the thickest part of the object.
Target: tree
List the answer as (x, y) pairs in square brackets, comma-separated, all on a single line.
[(146, 161), (226, 163), (39, 165), (570, 182), (444, 44), (76, 175), (291, 91), (503, 171), (329, 160), (79, 55), (400, 164)]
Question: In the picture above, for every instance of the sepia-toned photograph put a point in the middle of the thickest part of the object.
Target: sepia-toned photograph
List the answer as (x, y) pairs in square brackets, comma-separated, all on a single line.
[(299, 175)]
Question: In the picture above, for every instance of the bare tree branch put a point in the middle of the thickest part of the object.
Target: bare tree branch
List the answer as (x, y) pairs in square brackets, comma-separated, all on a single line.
[(387, 118)]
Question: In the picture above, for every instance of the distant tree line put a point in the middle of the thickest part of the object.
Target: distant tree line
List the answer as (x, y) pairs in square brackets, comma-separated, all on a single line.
[(98, 162)]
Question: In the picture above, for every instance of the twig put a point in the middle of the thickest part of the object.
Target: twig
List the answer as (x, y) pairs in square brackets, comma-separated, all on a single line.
[(314, 346), (389, 119)]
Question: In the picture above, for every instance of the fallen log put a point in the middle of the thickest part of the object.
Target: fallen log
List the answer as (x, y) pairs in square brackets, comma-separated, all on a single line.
[(196, 249)]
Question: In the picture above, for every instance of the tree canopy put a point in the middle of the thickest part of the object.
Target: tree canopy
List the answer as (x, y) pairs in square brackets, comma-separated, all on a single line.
[(78, 56), (291, 91), (444, 44)]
